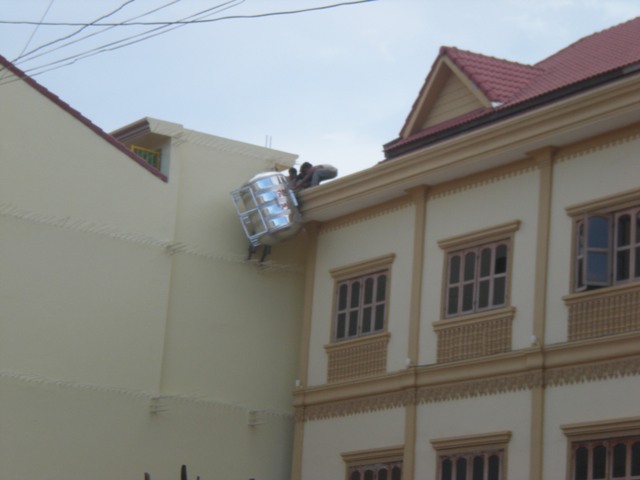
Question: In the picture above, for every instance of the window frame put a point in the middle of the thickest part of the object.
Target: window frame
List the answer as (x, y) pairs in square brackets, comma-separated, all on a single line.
[(373, 459), (360, 272), (470, 447), (611, 209), (152, 157), (601, 433), (478, 241)]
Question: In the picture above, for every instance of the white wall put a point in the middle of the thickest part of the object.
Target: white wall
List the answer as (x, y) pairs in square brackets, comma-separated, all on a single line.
[(358, 242), (608, 399), (326, 440), (470, 416), (475, 208), (581, 178)]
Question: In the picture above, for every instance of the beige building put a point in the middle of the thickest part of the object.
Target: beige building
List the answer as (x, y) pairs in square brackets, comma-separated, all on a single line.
[(472, 306), (135, 336)]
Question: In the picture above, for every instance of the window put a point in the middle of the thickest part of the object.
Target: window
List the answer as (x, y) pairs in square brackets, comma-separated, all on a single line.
[(608, 450), (152, 157), (376, 471), (472, 457), (477, 270), (377, 464), (607, 249), (608, 459), (471, 466), (477, 278), (361, 305), (361, 301)]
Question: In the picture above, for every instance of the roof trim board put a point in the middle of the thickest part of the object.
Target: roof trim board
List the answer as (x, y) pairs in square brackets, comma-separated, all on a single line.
[(444, 72)]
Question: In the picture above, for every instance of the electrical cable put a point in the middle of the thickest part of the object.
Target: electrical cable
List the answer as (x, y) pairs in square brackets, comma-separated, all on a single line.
[(158, 30), (44, 15), (179, 22), (161, 27), (117, 44), (22, 55)]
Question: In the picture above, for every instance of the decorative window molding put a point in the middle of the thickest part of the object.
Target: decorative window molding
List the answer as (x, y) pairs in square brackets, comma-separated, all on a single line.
[(359, 323), (363, 267), (606, 241), (472, 336), (486, 235), (361, 298), (374, 464), (608, 450), (362, 357), (605, 268), (608, 311), (477, 270), (601, 429), (472, 457)]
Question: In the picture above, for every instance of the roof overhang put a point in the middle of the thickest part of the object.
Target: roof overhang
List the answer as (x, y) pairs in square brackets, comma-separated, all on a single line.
[(563, 122)]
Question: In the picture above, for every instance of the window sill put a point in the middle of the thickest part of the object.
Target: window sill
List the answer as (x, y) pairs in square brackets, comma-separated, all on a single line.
[(472, 318)]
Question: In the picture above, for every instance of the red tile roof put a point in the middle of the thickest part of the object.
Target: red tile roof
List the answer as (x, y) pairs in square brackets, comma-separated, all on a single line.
[(510, 84), (498, 79)]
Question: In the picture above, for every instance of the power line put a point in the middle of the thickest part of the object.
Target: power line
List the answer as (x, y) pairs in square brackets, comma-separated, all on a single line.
[(160, 28), (117, 44), (23, 55), (182, 22), (33, 34)]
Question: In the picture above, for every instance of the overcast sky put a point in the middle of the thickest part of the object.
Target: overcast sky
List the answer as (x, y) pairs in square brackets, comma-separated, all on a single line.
[(332, 85)]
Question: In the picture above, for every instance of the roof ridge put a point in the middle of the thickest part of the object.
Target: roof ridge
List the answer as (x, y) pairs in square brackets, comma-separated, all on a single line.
[(483, 55)]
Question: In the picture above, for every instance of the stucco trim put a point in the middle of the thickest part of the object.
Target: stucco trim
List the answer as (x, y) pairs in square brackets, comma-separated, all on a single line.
[(378, 455), (366, 214), (485, 235), (552, 367), (603, 428), (484, 441)]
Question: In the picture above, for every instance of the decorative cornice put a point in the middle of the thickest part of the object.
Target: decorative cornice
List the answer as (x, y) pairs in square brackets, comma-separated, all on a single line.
[(599, 143), (359, 405), (367, 214), (477, 388), (498, 174), (559, 365), (593, 372)]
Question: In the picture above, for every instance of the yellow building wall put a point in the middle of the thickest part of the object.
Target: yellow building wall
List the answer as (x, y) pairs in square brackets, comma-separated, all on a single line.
[(134, 334)]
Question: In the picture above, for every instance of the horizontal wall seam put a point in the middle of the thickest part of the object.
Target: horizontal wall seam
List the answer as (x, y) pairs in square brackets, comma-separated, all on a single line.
[(170, 247), (139, 394)]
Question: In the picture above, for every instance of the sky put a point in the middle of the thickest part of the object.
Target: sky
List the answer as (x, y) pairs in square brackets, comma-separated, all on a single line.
[(332, 85)]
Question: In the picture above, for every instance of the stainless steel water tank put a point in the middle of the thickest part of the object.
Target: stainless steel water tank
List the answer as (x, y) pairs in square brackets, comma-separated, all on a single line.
[(267, 208)]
